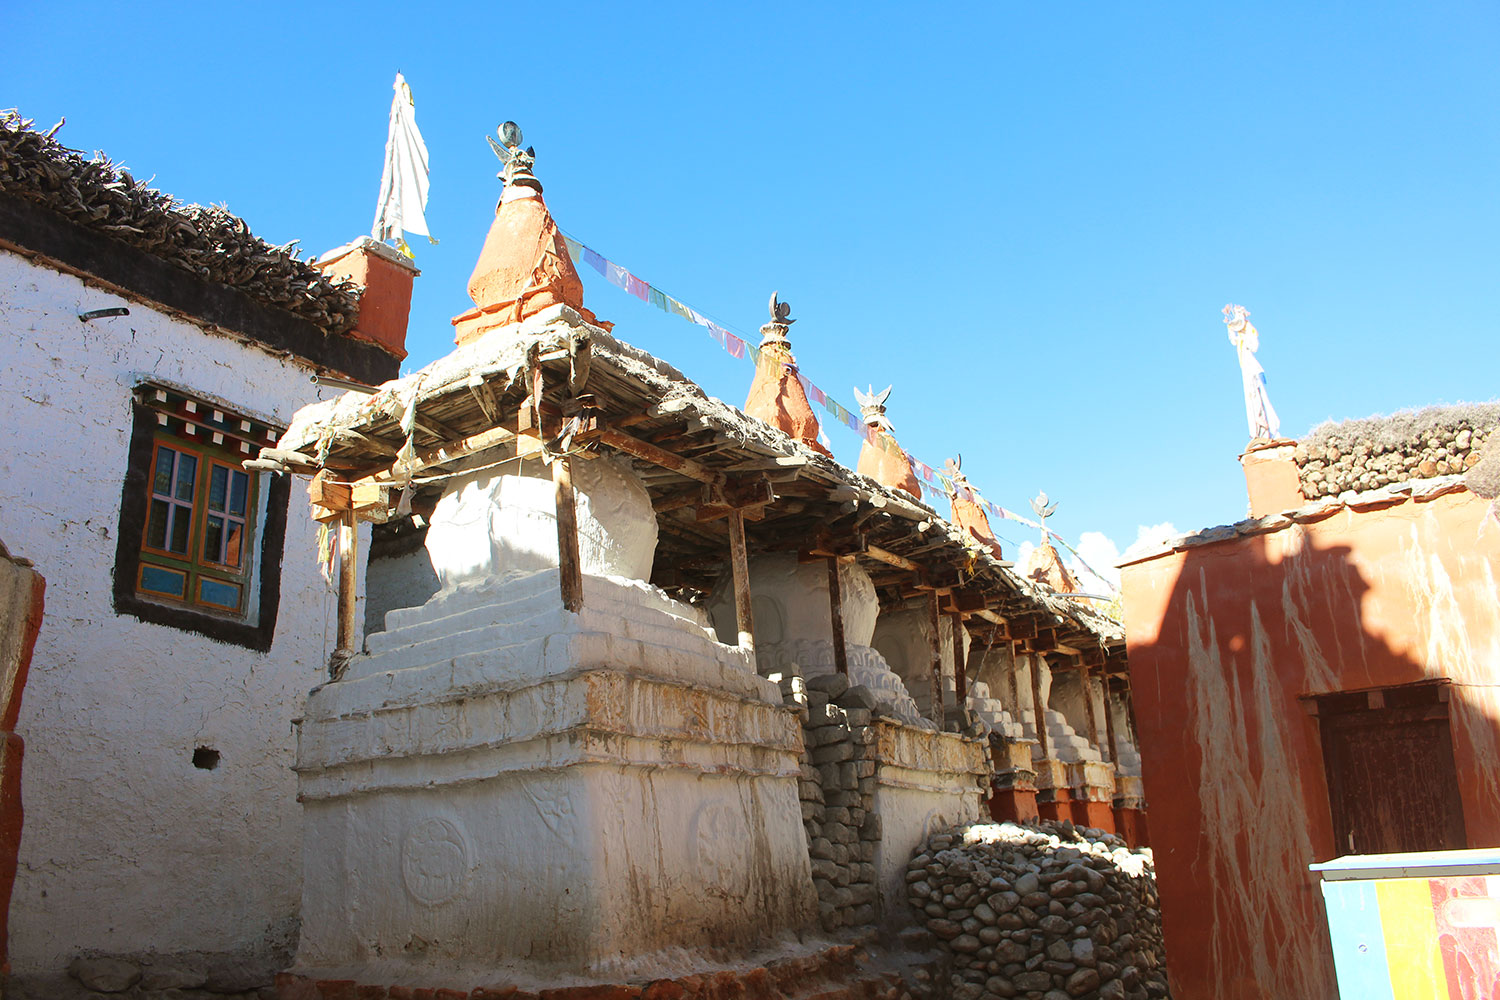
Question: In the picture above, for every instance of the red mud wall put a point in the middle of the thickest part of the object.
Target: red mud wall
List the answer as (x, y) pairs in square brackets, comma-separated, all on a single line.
[(1223, 638)]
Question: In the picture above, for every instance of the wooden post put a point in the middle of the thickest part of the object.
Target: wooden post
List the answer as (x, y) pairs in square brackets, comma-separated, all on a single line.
[(1109, 723), (836, 610), (935, 711), (960, 664), (1088, 703), (348, 591), (570, 570), (739, 565), (1038, 712), (1015, 692)]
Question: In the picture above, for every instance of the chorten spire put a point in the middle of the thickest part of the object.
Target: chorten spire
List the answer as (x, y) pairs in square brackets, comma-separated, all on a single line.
[(524, 267), (882, 459), (968, 516), (776, 394), (1044, 563)]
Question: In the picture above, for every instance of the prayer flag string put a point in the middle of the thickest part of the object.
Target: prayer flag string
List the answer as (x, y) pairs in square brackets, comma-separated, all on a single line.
[(932, 482)]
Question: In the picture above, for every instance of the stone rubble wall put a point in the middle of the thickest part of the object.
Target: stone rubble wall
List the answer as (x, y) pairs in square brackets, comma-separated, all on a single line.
[(837, 790), (1377, 451), (1047, 911)]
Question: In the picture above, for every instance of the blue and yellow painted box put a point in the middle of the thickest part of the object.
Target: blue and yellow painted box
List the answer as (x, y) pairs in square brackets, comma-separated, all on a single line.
[(1415, 926)]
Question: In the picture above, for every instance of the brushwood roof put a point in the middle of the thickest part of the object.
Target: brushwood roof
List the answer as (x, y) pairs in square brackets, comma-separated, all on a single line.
[(819, 505), (208, 242)]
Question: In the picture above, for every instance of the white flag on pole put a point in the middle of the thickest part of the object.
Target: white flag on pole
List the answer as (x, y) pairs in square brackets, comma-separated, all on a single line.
[(403, 184)]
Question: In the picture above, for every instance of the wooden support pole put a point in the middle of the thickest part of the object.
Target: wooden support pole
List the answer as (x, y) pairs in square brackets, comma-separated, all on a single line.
[(570, 569), (1087, 680), (1109, 723), (1015, 691), (935, 711), (1038, 710), (348, 591), (739, 563), (836, 610), (960, 673)]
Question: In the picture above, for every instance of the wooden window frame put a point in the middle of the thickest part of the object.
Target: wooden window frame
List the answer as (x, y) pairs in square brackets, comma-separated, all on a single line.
[(251, 626)]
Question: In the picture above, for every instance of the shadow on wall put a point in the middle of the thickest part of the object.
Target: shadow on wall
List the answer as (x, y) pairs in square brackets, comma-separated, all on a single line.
[(399, 573), (1253, 772)]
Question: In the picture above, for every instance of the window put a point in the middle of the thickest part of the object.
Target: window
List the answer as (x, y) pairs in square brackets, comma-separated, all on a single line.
[(199, 546)]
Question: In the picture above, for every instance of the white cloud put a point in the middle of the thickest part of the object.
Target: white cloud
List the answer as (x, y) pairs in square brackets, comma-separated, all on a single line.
[(1149, 537), (1101, 554)]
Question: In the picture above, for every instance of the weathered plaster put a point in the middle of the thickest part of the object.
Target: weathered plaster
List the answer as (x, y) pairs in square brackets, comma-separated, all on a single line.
[(127, 847), (1225, 638)]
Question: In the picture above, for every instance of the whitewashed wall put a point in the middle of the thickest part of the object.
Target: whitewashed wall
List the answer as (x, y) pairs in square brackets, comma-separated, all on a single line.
[(127, 847)]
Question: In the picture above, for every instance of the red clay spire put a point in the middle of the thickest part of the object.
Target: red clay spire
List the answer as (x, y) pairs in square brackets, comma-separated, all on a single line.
[(968, 516), (524, 266), (882, 459), (776, 394)]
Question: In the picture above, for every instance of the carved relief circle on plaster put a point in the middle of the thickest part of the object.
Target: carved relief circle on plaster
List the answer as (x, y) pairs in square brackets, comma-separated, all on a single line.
[(435, 861), (934, 823), (721, 843)]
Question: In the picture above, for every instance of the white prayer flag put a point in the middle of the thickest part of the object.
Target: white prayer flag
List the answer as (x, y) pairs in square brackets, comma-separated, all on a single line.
[(1259, 413), (403, 184)]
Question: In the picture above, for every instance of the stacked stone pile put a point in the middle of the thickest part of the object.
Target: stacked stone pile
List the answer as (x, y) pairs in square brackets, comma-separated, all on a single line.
[(1368, 454), (1045, 911), (838, 799)]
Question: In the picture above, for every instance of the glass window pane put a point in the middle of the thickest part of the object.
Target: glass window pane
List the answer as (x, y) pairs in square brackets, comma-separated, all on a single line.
[(218, 487), (187, 474), (156, 527), (232, 543), (218, 593), (213, 538), (162, 482), (164, 581), (181, 516), (239, 490)]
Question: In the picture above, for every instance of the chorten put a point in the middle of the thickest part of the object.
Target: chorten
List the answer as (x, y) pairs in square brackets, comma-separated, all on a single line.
[(776, 394), (882, 459), (968, 515), (1044, 565), (524, 266)]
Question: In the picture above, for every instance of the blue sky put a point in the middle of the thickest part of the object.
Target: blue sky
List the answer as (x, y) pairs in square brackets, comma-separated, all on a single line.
[(1026, 217)]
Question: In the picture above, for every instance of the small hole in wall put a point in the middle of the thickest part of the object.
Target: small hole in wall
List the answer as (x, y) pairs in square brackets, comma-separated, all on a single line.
[(206, 758)]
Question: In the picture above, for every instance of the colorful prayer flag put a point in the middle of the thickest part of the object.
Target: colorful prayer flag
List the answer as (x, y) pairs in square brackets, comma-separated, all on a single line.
[(635, 286), (595, 261)]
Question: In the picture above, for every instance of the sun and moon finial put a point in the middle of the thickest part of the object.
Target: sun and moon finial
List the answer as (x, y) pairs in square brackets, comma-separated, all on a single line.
[(774, 332), (872, 406), (515, 162), (1043, 510)]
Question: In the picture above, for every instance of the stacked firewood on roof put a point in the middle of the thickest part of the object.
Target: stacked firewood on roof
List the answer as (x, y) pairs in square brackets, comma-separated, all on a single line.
[(209, 242), (1378, 451)]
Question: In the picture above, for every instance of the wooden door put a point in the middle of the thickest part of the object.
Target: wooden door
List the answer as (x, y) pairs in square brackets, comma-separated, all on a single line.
[(1392, 785)]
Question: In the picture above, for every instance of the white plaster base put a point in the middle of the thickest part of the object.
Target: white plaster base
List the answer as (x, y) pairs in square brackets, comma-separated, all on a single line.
[(500, 781), (925, 781)]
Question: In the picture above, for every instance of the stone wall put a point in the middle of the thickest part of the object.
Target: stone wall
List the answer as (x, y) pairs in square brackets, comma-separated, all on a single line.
[(1377, 451), (1045, 910), (838, 801)]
